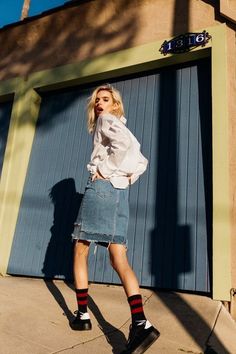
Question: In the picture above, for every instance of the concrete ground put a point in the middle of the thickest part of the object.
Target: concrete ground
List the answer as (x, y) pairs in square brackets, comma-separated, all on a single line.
[(35, 315)]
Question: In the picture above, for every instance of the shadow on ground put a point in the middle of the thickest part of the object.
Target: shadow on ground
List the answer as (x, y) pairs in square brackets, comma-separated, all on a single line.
[(113, 335)]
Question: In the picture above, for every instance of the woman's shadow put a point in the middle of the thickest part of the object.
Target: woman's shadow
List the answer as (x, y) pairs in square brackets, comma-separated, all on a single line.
[(58, 262)]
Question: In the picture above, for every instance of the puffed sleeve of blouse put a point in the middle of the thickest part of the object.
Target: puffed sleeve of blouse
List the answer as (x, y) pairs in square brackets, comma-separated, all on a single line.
[(119, 143), (142, 166)]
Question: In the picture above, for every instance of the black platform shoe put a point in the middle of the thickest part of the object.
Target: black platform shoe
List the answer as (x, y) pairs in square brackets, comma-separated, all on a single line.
[(141, 337), (81, 322)]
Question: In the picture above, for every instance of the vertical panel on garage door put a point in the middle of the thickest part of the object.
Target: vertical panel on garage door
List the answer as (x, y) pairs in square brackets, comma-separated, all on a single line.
[(170, 206), (5, 115)]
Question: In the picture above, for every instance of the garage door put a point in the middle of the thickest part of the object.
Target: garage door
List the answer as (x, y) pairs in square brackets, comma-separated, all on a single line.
[(169, 236)]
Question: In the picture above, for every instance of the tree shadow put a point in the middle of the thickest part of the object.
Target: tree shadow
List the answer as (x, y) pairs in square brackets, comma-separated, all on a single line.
[(70, 33)]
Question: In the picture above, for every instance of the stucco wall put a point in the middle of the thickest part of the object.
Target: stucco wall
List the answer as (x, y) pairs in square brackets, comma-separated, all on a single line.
[(88, 29)]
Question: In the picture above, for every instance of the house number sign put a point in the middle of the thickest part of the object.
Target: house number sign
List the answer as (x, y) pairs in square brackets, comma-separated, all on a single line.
[(185, 42)]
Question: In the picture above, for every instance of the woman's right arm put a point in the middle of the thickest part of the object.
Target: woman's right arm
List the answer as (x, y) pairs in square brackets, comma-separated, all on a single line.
[(119, 141)]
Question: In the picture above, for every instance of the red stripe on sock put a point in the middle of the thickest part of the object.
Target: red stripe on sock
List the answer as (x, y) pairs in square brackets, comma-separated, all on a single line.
[(84, 302), (138, 309), (135, 301), (81, 294)]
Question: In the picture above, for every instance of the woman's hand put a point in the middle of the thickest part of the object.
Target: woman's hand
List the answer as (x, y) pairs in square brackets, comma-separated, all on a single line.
[(129, 178), (97, 175)]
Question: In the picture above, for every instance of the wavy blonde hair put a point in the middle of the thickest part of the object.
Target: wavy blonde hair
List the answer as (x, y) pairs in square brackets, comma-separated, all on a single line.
[(116, 96)]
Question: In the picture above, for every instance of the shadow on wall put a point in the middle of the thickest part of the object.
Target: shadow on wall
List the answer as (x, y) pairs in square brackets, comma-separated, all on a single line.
[(5, 113), (83, 29), (182, 236), (59, 255), (171, 242)]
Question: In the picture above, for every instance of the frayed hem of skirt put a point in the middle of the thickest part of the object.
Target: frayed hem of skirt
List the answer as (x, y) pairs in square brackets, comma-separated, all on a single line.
[(100, 239)]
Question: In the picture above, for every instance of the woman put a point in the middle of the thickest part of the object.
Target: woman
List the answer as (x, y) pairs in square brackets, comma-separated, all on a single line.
[(116, 162)]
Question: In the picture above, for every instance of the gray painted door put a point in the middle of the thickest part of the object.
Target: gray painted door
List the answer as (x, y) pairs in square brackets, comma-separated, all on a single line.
[(5, 115), (169, 112)]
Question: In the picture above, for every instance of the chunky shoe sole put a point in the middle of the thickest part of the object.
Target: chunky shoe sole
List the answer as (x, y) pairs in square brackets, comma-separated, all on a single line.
[(147, 342), (87, 326)]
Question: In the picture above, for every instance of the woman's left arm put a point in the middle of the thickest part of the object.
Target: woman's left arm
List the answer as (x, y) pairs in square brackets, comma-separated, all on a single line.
[(142, 166)]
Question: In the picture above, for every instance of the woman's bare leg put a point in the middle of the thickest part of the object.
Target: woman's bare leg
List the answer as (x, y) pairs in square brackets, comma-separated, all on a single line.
[(119, 261), (82, 320), (142, 333), (80, 267)]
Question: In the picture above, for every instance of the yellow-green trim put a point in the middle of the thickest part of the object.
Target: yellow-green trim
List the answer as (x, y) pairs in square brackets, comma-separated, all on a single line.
[(108, 66), (20, 138), (9, 86), (220, 146)]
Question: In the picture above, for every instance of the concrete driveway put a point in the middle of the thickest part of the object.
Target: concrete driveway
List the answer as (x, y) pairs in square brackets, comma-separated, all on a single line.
[(35, 316)]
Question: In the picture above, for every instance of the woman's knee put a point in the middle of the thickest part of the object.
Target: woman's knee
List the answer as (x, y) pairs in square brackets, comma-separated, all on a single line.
[(120, 266), (81, 248), (118, 257)]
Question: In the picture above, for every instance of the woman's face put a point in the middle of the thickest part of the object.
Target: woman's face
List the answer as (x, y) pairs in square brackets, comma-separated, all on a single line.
[(104, 103)]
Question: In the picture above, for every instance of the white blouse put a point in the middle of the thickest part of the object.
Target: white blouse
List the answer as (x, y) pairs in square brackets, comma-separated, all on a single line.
[(116, 153)]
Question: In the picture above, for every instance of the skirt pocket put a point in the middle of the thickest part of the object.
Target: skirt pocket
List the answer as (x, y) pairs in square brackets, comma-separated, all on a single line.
[(103, 188)]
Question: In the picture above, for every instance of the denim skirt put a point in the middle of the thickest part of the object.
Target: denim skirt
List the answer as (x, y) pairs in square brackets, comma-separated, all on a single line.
[(103, 215)]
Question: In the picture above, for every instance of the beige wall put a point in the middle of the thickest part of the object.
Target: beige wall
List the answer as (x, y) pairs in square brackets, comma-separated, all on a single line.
[(93, 28)]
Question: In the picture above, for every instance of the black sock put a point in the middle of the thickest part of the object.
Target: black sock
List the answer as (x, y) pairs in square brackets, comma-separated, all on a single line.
[(82, 300), (136, 308)]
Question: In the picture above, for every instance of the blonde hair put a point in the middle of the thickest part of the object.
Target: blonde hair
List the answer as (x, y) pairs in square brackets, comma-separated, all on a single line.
[(116, 96)]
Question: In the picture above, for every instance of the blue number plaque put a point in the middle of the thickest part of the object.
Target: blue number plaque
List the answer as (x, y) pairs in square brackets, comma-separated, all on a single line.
[(185, 42)]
